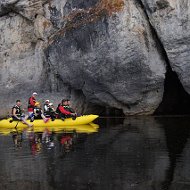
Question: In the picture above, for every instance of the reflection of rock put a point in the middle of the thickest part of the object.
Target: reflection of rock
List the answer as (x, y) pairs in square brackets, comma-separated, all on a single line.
[(179, 152), (136, 155), (153, 142), (22, 185), (123, 157), (18, 172), (182, 169), (176, 135), (150, 127)]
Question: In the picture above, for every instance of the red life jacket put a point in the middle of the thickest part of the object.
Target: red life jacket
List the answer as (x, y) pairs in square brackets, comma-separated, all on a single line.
[(31, 103)]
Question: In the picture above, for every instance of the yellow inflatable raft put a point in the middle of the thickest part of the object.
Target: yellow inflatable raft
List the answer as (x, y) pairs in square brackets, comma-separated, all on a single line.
[(88, 128), (82, 120)]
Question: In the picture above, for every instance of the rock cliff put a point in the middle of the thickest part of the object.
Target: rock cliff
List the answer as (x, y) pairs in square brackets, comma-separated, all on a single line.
[(100, 53)]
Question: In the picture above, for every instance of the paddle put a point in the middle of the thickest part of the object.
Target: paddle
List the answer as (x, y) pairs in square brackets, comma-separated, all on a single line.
[(17, 124)]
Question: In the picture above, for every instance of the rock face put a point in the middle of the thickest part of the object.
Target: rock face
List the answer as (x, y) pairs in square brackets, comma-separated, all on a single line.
[(28, 9), (20, 57), (170, 19), (113, 59), (21, 51), (100, 52)]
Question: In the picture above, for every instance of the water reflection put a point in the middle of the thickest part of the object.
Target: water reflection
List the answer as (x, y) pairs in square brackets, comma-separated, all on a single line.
[(47, 138), (35, 142), (17, 139), (177, 135), (142, 153)]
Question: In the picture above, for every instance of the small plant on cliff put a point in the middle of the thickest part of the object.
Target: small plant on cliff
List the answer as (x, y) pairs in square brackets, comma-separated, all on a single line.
[(111, 6), (82, 17)]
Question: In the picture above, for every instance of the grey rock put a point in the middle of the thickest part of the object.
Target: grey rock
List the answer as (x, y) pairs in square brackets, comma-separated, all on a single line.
[(27, 8), (114, 61), (170, 19), (62, 48), (21, 59)]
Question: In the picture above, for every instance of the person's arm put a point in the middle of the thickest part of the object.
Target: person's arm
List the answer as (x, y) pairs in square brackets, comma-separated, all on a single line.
[(45, 108), (14, 114), (35, 113), (51, 109), (62, 110), (42, 112)]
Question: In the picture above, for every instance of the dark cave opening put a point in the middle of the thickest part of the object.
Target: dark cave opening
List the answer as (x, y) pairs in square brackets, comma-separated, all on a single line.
[(112, 112), (176, 101), (104, 111)]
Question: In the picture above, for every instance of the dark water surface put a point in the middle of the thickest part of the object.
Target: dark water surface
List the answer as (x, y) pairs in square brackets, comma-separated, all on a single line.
[(133, 154)]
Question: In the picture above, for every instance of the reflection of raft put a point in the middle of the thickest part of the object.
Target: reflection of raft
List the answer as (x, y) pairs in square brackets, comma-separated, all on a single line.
[(88, 128), (82, 120)]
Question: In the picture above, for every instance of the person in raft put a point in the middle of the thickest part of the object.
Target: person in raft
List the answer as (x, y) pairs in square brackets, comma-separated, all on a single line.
[(49, 110), (46, 107), (17, 113), (31, 105), (52, 113), (70, 108), (62, 110), (38, 113)]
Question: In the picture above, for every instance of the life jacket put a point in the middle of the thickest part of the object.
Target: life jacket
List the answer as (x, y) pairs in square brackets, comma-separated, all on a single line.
[(68, 108), (29, 105), (38, 111), (61, 111), (18, 110), (46, 109), (57, 109), (51, 110)]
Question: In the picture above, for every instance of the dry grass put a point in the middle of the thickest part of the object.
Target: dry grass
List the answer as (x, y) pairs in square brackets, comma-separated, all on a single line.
[(110, 6), (80, 18)]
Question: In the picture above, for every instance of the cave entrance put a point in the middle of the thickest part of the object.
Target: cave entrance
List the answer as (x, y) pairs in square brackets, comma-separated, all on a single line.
[(104, 111), (176, 101)]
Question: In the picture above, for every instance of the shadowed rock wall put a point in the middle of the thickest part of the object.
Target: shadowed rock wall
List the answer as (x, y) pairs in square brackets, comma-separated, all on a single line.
[(99, 52)]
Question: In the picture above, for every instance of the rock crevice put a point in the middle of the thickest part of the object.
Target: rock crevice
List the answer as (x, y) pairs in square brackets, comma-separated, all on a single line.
[(176, 100)]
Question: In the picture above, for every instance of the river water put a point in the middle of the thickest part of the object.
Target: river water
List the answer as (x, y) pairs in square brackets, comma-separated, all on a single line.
[(137, 153)]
